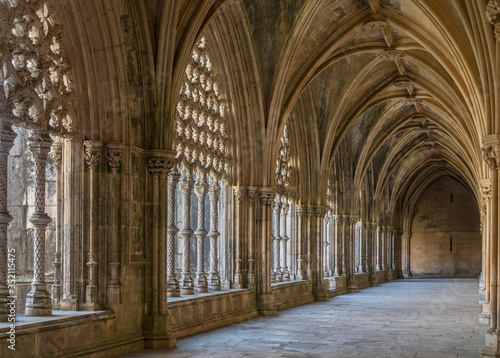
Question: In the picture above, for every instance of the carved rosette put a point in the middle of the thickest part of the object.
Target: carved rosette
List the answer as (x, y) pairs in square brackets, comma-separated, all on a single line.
[(299, 210), (34, 72), (493, 16), (391, 55)]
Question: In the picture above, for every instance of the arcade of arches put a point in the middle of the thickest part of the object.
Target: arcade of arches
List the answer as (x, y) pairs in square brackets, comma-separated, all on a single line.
[(168, 167)]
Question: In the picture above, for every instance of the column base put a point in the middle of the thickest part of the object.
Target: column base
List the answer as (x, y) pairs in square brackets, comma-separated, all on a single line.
[(389, 276), (157, 332), (38, 302), (320, 294), (7, 308), (186, 286), (200, 284), (91, 303), (173, 289), (266, 305), (492, 345), (352, 288), (485, 315), (70, 304), (113, 294)]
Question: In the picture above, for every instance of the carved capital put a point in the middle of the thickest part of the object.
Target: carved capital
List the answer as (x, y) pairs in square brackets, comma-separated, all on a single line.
[(251, 194), (489, 156), (309, 210), (92, 153), (266, 195), (391, 55), (299, 210), (56, 155), (320, 211), (7, 137), (39, 145), (238, 193), (493, 16), (160, 166), (115, 155), (486, 190)]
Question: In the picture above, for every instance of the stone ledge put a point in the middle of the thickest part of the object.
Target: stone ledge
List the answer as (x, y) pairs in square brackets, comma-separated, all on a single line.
[(204, 311), (59, 318), (292, 293)]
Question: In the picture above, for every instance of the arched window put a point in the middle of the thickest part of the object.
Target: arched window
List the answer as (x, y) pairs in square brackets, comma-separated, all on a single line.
[(200, 142)]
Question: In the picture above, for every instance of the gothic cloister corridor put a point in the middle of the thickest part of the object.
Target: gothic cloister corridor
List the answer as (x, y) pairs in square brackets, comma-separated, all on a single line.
[(433, 318)]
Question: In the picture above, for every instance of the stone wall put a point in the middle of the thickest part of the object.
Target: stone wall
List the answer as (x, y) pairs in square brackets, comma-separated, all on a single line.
[(445, 239), (21, 192)]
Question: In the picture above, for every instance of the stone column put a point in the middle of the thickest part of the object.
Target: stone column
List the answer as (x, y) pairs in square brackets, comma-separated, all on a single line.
[(361, 263), (326, 269), (38, 301), (371, 227), (319, 291), (200, 189), (378, 235), (186, 186), (383, 249), (251, 193), (92, 158), (406, 254), (173, 288), (309, 241), (299, 209), (337, 246), (157, 167), (7, 136), (343, 237), (484, 317), (56, 155), (491, 153), (285, 274), (239, 192), (276, 275), (390, 253), (351, 282), (213, 275), (265, 302), (115, 156)]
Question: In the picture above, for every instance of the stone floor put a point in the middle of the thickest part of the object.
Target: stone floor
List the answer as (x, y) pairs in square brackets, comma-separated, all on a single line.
[(433, 318)]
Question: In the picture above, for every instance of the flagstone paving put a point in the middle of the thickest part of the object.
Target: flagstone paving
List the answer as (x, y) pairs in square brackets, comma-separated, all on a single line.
[(432, 318)]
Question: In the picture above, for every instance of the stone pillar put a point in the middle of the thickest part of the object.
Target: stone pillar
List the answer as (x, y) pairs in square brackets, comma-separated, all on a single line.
[(344, 222), (285, 274), (7, 136), (213, 275), (390, 253), (326, 236), (38, 301), (299, 209), (276, 275), (115, 156), (309, 241), (351, 282), (200, 189), (265, 302), (337, 263), (239, 192), (361, 267), (491, 153), (372, 253), (251, 193), (378, 235), (92, 158), (56, 155), (405, 243), (173, 288), (186, 186), (319, 291), (484, 317)]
